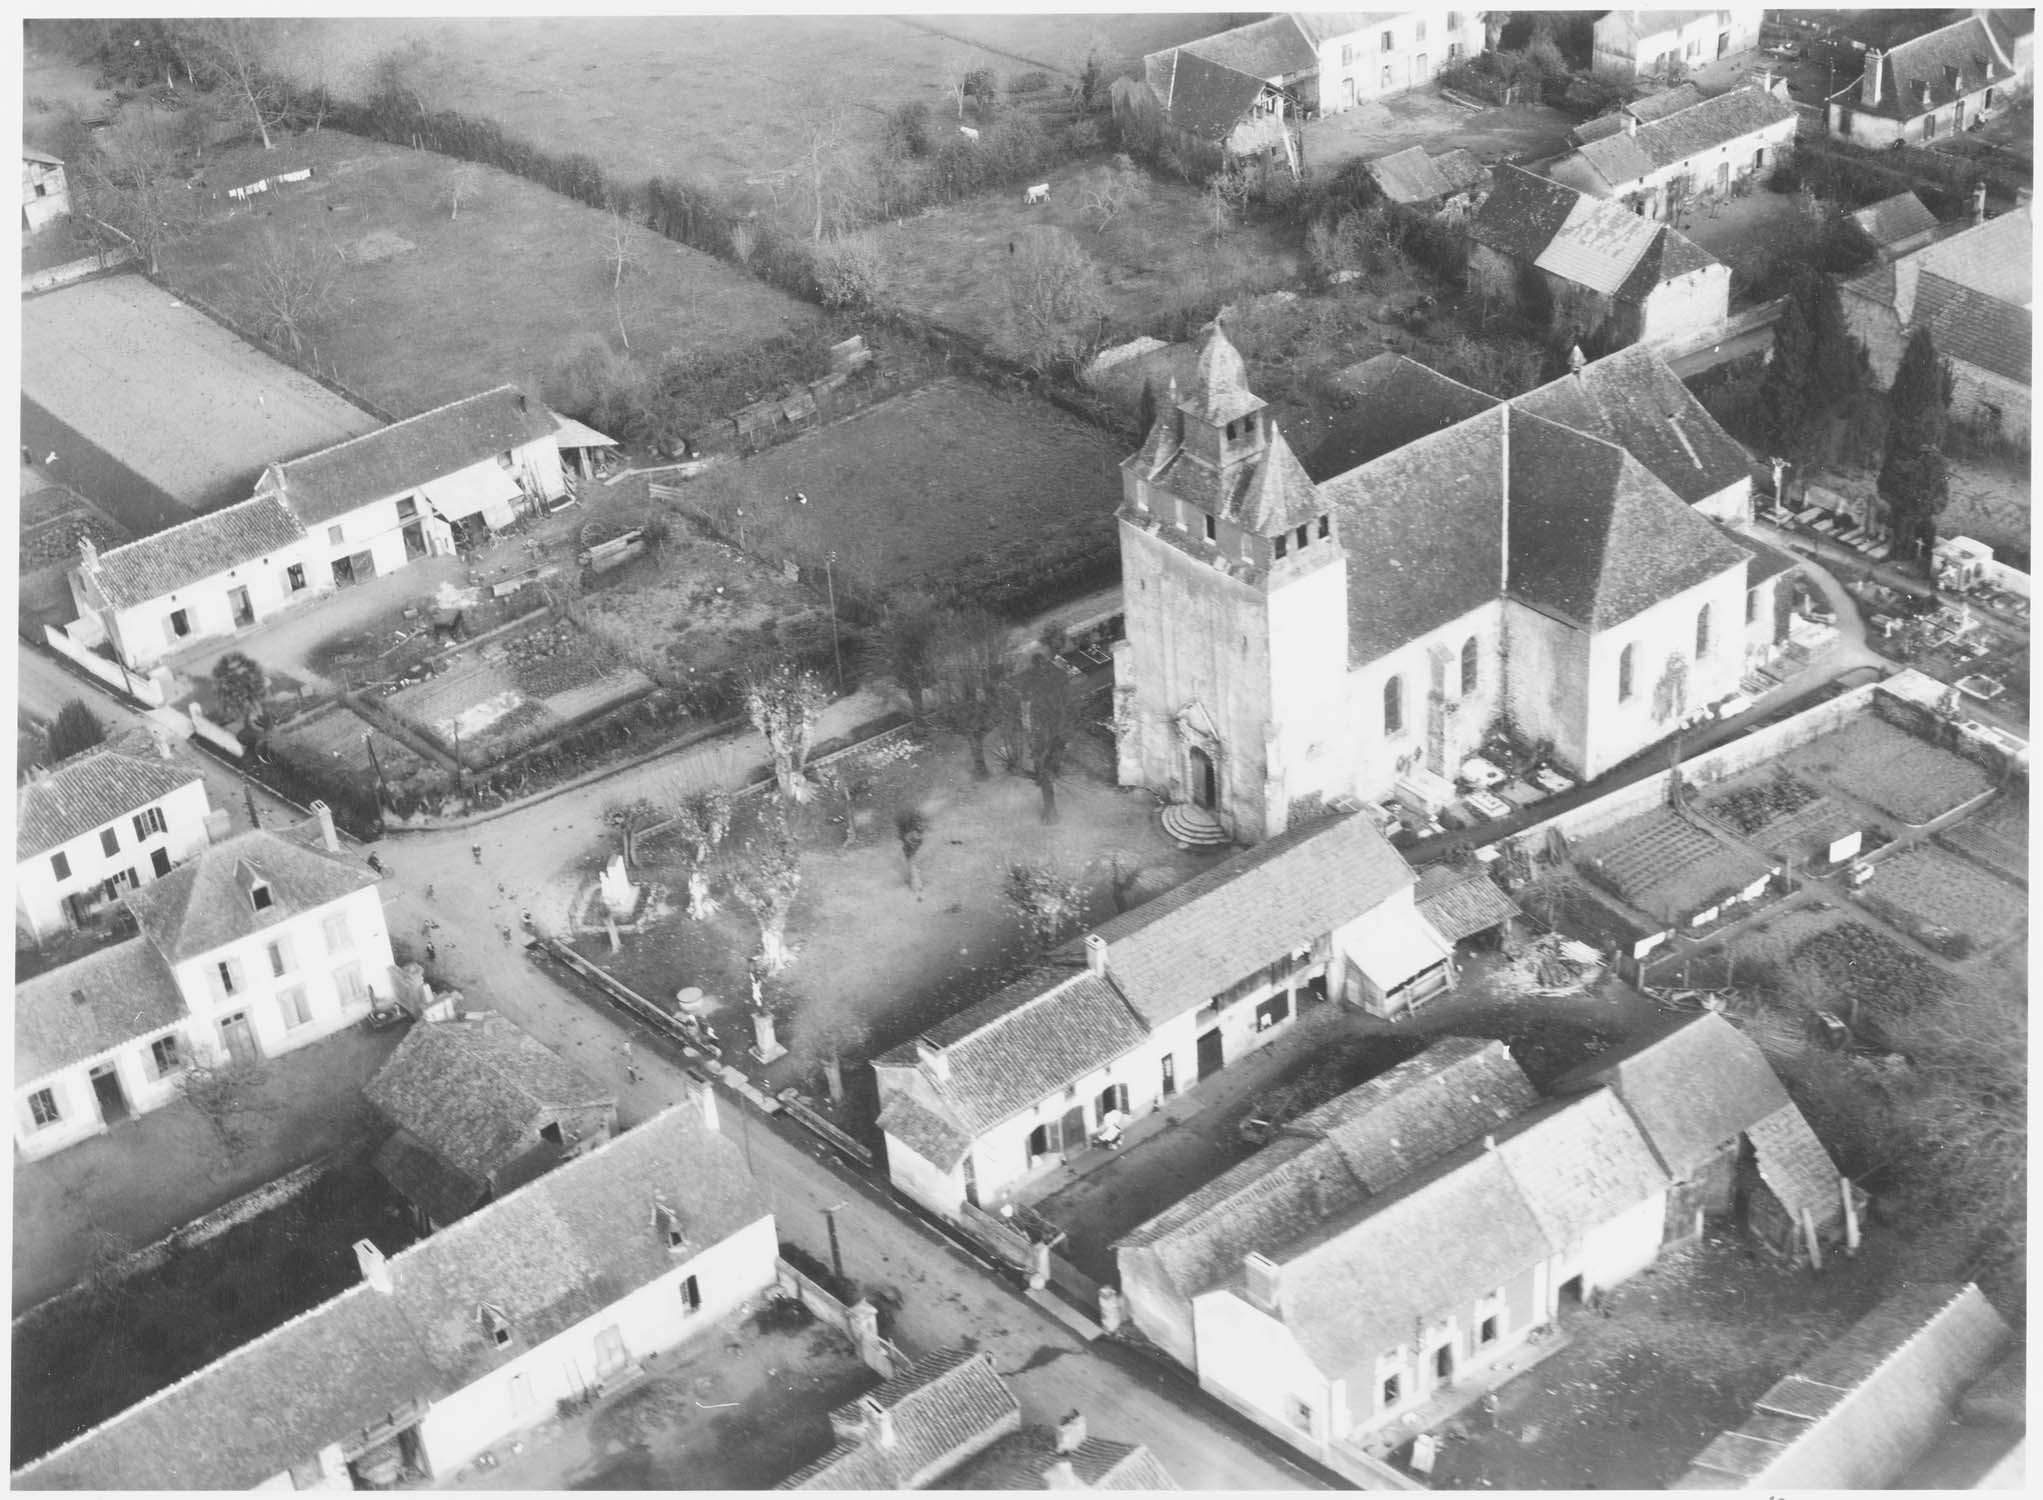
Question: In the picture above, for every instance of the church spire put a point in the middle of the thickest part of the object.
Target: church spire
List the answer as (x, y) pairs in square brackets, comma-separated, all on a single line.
[(1282, 495)]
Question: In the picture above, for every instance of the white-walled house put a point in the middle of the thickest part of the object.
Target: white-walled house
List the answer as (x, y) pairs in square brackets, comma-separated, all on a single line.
[(555, 1291), (1934, 85), (996, 1100), (1366, 55), (109, 819), (373, 503), (1300, 633), (1658, 162), (1647, 41), (268, 942)]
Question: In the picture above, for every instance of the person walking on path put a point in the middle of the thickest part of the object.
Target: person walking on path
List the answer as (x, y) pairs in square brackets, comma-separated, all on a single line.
[(475, 850), (630, 1063)]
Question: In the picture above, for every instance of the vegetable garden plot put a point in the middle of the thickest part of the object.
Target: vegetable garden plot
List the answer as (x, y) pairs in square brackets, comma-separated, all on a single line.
[(1997, 836), (336, 738), (1892, 769), (1748, 810), (1666, 866), (1945, 902)]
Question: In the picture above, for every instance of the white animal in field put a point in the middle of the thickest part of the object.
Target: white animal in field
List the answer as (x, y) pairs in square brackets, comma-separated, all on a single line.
[(1040, 193), (968, 132)]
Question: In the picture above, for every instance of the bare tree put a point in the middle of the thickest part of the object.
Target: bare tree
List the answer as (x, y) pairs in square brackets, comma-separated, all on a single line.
[(703, 821), (766, 882), (784, 702), (1106, 192), (1044, 713), (826, 1028), (1047, 897), (131, 186), (465, 181), (1057, 295), (292, 284), (239, 56), (906, 646), (621, 257), (970, 665), (823, 172)]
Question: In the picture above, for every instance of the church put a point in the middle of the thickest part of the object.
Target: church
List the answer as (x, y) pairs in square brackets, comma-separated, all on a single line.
[(1562, 565)]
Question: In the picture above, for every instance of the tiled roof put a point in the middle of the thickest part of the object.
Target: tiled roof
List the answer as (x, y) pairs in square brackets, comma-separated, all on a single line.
[(29, 153), (1522, 214), (1272, 49), (1975, 328), (1398, 400), (1600, 246), (1595, 537), (1895, 219), (203, 904), (1025, 1460), (475, 1092), (1461, 902), (1630, 27), (194, 550), (1996, 257), (922, 1130), (1172, 954), (945, 1408), (119, 994), (1219, 390), (1579, 1163), (1409, 176), (1667, 102), (410, 453), (1617, 157), (1694, 1087), (1326, 25), (549, 1255), (90, 790), (1794, 1165), (1698, 127), (1768, 561), (1203, 98), (1281, 495), (1432, 512), (1632, 399), (1335, 1156), (1867, 1406), (1918, 76), (443, 1191), (1593, 242), (1033, 1037), (1672, 254)]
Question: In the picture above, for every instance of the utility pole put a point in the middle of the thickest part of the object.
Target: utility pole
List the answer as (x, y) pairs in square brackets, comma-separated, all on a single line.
[(836, 1251), (369, 744), (830, 582)]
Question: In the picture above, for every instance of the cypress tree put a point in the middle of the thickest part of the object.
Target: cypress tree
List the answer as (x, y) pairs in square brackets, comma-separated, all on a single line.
[(1784, 405), (1913, 478)]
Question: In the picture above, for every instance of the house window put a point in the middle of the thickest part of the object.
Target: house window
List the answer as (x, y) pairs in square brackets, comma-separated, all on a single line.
[(1624, 672), (259, 897), (280, 958), (180, 623), (109, 841), (60, 865), (1326, 526), (42, 1107), (1113, 1099), (407, 508), (1454, 20), (1469, 666), (347, 983), (1347, 54), (333, 534), (1273, 1010), (159, 861), (1486, 1333), (1443, 1363), (691, 1294), (1283, 546), (1212, 530), (291, 1002), (294, 577), (504, 460), (1702, 632), (1040, 1143), (1394, 706), (338, 938), (1304, 536), (496, 1325), (1419, 30), (230, 975), (1751, 605), (1393, 1390), (1389, 42), (1298, 1413), (551, 1131), (1929, 127), (165, 1056), (149, 820)]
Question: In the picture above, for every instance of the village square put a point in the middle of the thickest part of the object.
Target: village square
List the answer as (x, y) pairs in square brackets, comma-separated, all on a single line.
[(1132, 751)]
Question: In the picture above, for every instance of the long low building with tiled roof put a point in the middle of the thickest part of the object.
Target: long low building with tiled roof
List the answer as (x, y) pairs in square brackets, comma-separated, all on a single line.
[(995, 1100), (1934, 85), (473, 1334), (1662, 152)]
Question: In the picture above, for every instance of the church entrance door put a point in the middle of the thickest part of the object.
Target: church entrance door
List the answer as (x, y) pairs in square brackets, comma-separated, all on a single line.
[(1205, 780)]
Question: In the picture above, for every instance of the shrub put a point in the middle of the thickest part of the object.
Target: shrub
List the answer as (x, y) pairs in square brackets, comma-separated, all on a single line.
[(1032, 82), (907, 131), (851, 271)]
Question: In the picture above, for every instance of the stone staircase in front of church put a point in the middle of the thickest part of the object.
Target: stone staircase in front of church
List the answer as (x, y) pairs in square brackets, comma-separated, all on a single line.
[(1193, 826)]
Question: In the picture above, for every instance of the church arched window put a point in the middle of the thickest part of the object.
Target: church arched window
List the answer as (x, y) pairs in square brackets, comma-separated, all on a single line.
[(1624, 671), (1394, 706), (1469, 668)]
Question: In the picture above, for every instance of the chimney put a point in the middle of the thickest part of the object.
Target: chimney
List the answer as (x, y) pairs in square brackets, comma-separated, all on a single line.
[(88, 554), (326, 834), (1766, 79), (161, 740), (1071, 1432), (932, 1059), (1631, 122), (879, 1424), (1263, 1280), (1869, 84), (1061, 1476), (1489, 1143), (375, 1269), (1577, 361), (1979, 204), (1096, 946)]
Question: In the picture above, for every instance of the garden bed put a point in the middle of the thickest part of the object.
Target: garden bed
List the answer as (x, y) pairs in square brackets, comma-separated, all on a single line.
[(1905, 777), (1997, 836), (1751, 809), (1944, 902), (1667, 867)]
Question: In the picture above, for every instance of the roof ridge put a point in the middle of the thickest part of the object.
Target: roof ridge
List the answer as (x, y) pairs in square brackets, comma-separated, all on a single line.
[(284, 465), (158, 536)]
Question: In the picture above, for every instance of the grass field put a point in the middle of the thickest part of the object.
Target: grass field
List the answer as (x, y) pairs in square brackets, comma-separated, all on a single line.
[(1997, 836), (1893, 770), (1945, 902), (431, 307), (948, 477), (168, 393), (718, 99)]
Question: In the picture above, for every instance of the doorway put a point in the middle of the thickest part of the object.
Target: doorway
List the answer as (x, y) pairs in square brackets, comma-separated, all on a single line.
[(239, 1037), (180, 624), (1210, 1059), (1723, 42), (1443, 1364), (1347, 93), (1170, 1074), (240, 608), (1205, 780), (610, 1352), (1074, 1130), (1571, 1292), (1723, 175), (106, 1087)]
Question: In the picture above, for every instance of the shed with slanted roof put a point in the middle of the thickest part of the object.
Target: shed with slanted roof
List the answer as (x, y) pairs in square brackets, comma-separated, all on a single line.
[(915, 1429)]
